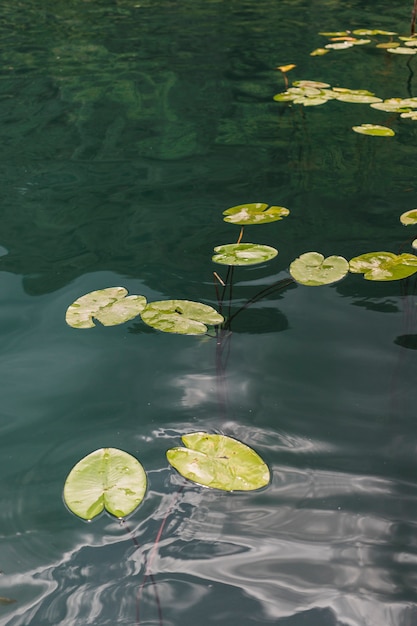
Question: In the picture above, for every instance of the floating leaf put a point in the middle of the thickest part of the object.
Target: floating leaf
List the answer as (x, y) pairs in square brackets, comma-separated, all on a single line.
[(109, 306), (414, 244), (339, 46), (365, 32), (358, 98), (384, 265), (256, 213), (374, 129), (388, 44), (411, 43), (180, 316), (107, 479), (412, 115), (313, 270), (314, 84), (394, 105), (360, 42), (338, 33), (319, 52), (401, 50), (219, 462), (243, 254), (409, 217)]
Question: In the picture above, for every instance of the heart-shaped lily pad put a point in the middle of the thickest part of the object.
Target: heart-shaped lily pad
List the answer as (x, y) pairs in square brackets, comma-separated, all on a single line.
[(256, 213), (384, 265), (109, 306), (243, 254), (181, 316), (219, 462), (374, 129), (409, 217), (107, 479), (312, 269)]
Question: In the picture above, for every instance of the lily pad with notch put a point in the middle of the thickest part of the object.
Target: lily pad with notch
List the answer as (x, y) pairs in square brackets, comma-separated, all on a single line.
[(243, 254), (109, 306), (106, 479), (255, 213), (219, 462), (375, 130), (313, 270), (384, 266), (409, 218), (183, 317)]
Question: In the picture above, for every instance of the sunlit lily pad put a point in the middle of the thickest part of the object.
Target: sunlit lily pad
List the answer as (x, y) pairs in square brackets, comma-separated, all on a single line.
[(412, 115), (314, 84), (384, 265), (219, 462), (374, 129), (339, 46), (414, 244), (366, 32), (243, 254), (313, 270), (319, 52), (409, 217), (109, 306), (337, 33), (256, 213), (388, 44), (183, 317), (107, 479), (402, 50), (395, 105), (360, 96)]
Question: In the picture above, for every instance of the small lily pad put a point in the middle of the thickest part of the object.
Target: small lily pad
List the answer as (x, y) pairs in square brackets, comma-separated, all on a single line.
[(313, 270), (319, 52), (109, 306), (314, 84), (401, 50), (243, 254), (374, 129), (337, 33), (394, 105), (412, 115), (107, 479), (384, 265), (339, 46), (356, 97), (181, 316), (256, 213), (366, 32), (409, 217), (219, 462)]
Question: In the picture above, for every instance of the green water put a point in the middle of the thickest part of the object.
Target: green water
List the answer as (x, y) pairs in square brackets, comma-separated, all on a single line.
[(126, 128)]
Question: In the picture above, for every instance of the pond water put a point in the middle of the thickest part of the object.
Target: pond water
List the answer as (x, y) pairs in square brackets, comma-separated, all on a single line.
[(127, 127)]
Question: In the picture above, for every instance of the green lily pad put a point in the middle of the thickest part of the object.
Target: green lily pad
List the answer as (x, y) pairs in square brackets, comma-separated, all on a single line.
[(402, 50), (107, 479), (394, 105), (356, 96), (243, 254), (384, 265), (366, 32), (337, 33), (219, 462), (319, 52), (109, 306), (181, 316), (313, 270), (409, 217), (315, 84), (412, 115), (374, 129), (341, 45), (256, 213)]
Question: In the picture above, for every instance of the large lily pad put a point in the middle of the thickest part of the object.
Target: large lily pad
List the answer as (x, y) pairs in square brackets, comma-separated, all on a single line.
[(402, 50), (384, 265), (243, 254), (107, 479), (374, 129), (181, 316), (219, 462), (313, 270), (409, 217), (256, 213), (109, 306)]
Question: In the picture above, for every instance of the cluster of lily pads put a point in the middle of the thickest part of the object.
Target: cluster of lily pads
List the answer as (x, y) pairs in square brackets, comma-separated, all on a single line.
[(112, 480), (315, 93), (341, 40)]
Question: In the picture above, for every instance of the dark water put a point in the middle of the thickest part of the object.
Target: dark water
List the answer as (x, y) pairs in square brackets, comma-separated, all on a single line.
[(126, 128)]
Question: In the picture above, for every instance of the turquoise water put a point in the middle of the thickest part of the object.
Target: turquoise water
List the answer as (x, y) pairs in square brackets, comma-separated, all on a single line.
[(126, 128)]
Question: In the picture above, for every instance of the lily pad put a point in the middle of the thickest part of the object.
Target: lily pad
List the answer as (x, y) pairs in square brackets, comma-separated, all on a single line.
[(315, 84), (319, 52), (107, 479), (374, 129), (402, 50), (384, 265), (366, 32), (339, 46), (181, 316), (243, 254), (109, 306), (256, 213), (313, 270), (409, 217), (219, 462), (412, 115), (356, 96), (394, 105)]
